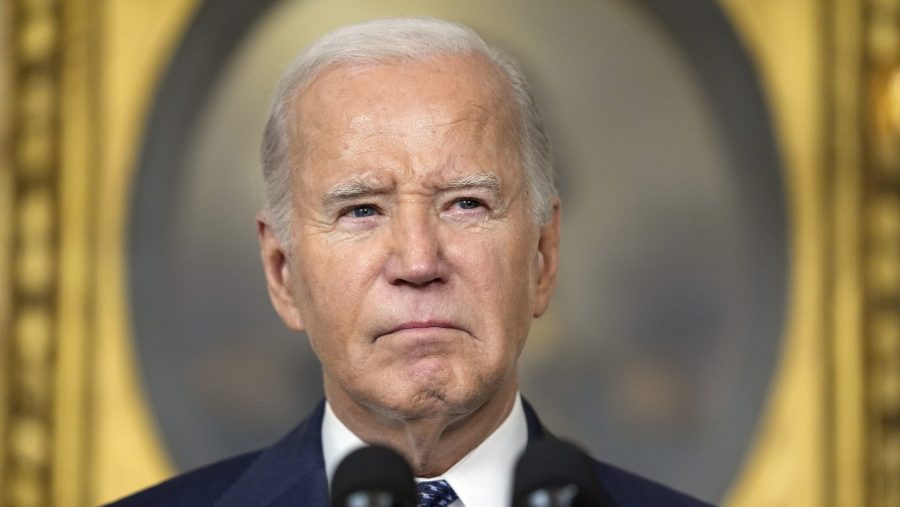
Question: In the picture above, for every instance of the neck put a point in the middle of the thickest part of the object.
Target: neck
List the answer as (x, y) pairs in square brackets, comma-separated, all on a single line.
[(432, 444)]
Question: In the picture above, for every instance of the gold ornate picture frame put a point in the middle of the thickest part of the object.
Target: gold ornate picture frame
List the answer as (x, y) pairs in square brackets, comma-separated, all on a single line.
[(78, 79)]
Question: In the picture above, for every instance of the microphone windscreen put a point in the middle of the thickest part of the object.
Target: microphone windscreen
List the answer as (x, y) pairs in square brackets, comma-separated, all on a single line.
[(374, 470), (549, 464)]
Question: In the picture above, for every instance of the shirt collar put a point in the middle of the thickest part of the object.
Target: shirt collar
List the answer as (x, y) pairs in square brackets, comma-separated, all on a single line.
[(482, 478)]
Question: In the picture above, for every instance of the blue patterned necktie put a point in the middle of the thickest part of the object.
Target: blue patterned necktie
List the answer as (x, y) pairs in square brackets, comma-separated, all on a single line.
[(435, 494)]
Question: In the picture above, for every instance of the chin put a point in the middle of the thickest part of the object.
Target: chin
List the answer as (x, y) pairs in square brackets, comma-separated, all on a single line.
[(419, 401)]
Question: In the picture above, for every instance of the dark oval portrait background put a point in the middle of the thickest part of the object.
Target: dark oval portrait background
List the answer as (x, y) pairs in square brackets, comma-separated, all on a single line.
[(658, 349)]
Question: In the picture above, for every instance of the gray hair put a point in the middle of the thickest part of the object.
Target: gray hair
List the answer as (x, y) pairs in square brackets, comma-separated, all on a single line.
[(391, 39)]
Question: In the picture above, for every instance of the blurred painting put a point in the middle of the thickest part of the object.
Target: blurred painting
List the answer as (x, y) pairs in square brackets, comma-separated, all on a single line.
[(659, 346)]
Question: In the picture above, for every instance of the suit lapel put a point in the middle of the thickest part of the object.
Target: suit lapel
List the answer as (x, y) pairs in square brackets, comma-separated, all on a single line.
[(536, 430), (292, 472)]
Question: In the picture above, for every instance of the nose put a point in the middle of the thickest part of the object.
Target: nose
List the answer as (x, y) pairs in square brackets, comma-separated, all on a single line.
[(416, 251)]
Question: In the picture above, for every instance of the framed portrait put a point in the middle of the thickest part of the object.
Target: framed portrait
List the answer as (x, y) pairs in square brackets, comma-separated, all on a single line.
[(725, 318)]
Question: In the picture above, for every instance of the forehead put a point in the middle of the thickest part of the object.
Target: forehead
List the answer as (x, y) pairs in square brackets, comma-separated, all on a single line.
[(430, 119), (442, 88)]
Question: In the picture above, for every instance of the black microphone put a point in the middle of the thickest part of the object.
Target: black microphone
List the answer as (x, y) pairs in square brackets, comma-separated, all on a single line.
[(553, 473), (373, 476)]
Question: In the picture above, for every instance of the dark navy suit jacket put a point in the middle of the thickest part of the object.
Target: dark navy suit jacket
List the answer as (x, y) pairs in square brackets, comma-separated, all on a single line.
[(291, 473)]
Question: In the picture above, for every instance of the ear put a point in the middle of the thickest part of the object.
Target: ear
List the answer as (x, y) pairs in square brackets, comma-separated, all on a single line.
[(547, 260), (278, 273)]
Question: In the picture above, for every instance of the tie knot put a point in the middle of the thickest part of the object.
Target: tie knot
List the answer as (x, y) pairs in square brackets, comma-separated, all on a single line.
[(435, 494)]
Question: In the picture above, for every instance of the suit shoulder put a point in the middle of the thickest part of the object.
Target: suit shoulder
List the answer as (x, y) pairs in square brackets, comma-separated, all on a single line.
[(631, 490), (197, 488)]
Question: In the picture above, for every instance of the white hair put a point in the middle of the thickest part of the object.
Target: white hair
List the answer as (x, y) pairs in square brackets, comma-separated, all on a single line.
[(381, 41)]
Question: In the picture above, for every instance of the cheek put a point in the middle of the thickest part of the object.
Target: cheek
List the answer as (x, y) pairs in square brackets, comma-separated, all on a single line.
[(332, 287), (498, 272)]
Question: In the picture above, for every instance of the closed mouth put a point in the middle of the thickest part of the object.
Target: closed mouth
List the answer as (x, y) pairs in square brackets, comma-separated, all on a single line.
[(422, 325), (426, 324)]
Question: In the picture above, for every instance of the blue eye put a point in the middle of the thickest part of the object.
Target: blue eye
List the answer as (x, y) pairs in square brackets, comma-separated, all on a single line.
[(364, 211), (468, 203)]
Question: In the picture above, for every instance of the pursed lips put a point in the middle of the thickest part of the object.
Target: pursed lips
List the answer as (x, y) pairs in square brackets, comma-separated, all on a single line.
[(422, 325)]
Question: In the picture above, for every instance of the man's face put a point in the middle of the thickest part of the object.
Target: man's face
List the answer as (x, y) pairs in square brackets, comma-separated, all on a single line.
[(416, 266)]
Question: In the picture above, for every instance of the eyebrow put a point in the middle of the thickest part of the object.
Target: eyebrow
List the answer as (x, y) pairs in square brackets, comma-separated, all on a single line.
[(361, 187), (485, 181), (350, 190)]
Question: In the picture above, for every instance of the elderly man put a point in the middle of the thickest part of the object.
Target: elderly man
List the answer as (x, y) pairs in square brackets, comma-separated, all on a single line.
[(412, 231)]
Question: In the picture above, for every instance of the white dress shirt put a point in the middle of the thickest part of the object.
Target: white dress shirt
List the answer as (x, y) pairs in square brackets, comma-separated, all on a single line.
[(482, 478)]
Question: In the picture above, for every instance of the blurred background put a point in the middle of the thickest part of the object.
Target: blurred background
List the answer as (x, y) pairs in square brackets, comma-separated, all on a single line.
[(727, 318)]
